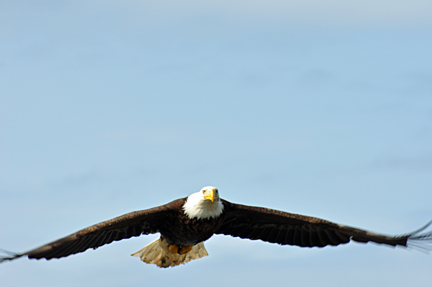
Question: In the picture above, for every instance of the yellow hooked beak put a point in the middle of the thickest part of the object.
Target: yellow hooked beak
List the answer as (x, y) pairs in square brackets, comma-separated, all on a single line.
[(211, 194)]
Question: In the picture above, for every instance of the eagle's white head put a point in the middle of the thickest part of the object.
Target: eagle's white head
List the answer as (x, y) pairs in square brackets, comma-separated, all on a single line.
[(204, 204)]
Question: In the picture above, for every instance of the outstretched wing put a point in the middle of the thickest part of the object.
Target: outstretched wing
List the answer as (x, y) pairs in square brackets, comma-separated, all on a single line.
[(287, 228), (122, 227)]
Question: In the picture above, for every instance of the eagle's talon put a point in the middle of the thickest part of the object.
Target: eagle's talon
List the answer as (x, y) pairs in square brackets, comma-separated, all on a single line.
[(184, 249), (173, 249)]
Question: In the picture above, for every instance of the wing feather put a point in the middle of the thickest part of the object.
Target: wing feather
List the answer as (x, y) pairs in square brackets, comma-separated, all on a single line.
[(293, 229), (126, 226)]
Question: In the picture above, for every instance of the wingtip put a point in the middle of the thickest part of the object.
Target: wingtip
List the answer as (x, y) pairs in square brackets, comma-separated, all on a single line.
[(9, 255), (421, 241)]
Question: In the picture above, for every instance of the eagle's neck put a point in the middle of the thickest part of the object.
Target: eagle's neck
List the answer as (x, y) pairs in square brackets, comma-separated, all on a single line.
[(196, 207)]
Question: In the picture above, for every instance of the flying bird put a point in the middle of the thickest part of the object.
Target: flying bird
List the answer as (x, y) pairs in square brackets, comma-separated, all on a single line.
[(184, 224)]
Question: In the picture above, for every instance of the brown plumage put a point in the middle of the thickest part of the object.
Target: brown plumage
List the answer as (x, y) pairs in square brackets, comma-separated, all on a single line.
[(294, 229), (177, 228)]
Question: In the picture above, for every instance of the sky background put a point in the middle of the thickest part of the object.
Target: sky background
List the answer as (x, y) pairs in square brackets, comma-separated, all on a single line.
[(312, 107)]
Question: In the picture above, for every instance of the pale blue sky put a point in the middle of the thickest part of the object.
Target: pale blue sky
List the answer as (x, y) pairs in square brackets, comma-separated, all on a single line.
[(319, 108)]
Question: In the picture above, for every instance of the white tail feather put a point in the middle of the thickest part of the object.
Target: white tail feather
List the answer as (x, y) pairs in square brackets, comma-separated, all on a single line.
[(157, 253)]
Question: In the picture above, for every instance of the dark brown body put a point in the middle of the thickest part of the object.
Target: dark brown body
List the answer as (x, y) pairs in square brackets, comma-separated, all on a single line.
[(178, 229)]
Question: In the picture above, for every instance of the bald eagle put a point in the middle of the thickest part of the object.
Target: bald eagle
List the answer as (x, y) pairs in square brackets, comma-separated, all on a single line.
[(184, 224)]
